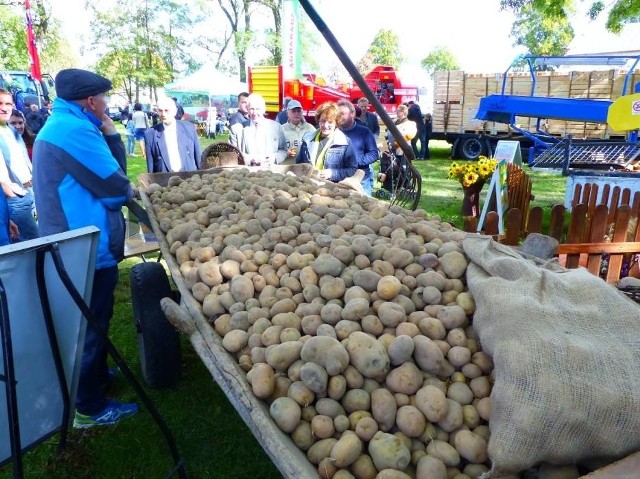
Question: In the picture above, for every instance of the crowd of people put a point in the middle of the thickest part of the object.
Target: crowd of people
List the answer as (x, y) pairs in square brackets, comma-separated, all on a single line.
[(345, 140)]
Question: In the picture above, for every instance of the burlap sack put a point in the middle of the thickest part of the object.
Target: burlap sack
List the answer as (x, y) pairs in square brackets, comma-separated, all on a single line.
[(566, 352)]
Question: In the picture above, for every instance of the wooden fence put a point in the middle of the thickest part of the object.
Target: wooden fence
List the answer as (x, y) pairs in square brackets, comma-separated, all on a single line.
[(598, 237)]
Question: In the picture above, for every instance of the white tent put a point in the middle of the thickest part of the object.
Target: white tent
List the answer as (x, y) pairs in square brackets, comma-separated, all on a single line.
[(208, 81), (205, 93)]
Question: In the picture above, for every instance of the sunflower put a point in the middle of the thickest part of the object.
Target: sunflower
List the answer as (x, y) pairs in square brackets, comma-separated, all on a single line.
[(472, 172)]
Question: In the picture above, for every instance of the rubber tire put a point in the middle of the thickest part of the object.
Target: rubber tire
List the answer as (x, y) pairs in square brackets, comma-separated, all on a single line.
[(470, 148), (158, 340)]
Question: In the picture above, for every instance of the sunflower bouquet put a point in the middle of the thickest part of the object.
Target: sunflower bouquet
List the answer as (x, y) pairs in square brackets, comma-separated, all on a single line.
[(472, 172)]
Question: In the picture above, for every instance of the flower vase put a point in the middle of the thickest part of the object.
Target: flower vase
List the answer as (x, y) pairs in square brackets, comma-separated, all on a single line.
[(471, 199)]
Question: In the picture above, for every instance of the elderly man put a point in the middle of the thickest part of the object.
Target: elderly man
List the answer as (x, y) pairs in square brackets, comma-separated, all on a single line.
[(362, 141), (15, 173), (79, 164), (262, 142), (171, 145), (295, 128)]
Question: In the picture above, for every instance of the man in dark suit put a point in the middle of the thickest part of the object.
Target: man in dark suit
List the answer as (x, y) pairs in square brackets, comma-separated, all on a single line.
[(171, 145)]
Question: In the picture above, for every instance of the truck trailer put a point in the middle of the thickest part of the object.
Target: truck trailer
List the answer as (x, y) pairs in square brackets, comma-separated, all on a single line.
[(458, 96)]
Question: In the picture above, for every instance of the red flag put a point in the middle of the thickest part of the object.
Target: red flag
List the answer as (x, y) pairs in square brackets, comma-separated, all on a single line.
[(34, 59)]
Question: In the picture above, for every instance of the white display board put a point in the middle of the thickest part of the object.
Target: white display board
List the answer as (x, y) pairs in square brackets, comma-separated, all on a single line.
[(39, 399), (509, 151)]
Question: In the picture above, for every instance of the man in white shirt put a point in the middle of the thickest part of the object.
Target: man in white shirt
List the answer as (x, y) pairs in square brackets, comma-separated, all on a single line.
[(172, 145), (262, 142), (15, 173)]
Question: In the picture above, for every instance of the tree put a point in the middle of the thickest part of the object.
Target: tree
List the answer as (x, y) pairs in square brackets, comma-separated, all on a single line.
[(385, 49), (621, 12), (439, 59), (55, 51), (542, 34), (150, 54)]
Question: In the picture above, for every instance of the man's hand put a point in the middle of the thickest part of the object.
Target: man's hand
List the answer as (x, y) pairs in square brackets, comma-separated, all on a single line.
[(291, 152), (108, 127), (14, 232)]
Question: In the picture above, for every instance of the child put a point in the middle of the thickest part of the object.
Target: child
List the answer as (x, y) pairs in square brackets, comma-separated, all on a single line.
[(131, 137)]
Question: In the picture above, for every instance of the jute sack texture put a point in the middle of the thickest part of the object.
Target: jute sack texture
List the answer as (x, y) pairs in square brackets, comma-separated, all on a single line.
[(566, 353)]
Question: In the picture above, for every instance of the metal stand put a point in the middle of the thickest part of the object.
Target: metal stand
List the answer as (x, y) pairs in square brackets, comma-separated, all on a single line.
[(10, 384), (9, 367)]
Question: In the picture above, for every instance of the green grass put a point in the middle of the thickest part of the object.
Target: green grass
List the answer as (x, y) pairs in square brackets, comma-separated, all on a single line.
[(212, 439)]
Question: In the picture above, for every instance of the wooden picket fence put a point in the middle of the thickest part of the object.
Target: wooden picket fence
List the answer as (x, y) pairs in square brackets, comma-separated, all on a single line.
[(598, 236)]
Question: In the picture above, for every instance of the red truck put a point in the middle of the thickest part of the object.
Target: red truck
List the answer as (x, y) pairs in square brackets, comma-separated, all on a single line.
[(311, 90)]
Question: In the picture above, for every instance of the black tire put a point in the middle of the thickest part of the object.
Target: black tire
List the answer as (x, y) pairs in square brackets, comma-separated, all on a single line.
[(158, 340), (470, 148)]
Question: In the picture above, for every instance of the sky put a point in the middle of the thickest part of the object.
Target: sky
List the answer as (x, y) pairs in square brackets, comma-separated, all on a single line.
[(475, 31)]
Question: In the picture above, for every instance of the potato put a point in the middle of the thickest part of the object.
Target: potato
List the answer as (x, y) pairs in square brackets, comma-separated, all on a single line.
[(458, 356), (329, 407), (471, 446), (355, 309), (281, 356), (391, 314), (410, 421), (444, 451), (327, 352), (363, 467), (302, 436), (320, 450), (366, 428), (452, 317), (314, 377), (300, 393), (263, 380), (427, 355), (383, 408), (326, 468), (480, 386), (322, 427), (453, 420), (400, 349), (356, 400), (235, 340), (484, 408), (337, 387), (367, 355), (460, 393), (392, 474), (432, 402), (388, 287), (388, 452), (430, 467), (405, 379), (346, 450), (454, 264), (242, 288)]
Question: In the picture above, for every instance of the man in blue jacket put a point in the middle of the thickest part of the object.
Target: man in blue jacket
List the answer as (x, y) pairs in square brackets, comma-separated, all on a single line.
[(362, 141), (79, 164)]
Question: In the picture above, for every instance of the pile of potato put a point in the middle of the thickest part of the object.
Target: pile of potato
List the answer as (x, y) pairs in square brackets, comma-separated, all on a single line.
[(350, 317)]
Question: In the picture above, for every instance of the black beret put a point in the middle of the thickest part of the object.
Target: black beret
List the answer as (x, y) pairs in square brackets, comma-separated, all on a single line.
[(76, 84)]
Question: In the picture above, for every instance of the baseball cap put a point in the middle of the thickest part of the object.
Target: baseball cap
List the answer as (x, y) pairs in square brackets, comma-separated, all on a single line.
[(293, 104)]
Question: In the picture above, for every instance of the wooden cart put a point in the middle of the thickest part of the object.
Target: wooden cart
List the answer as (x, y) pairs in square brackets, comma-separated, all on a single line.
[(288, 458)]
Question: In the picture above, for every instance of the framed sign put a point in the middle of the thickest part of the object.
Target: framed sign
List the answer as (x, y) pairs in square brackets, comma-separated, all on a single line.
[(508, 151)]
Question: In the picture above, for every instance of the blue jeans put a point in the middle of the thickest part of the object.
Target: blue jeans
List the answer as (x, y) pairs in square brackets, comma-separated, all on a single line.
[(21, 213), (131, 144), (90, 399)]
